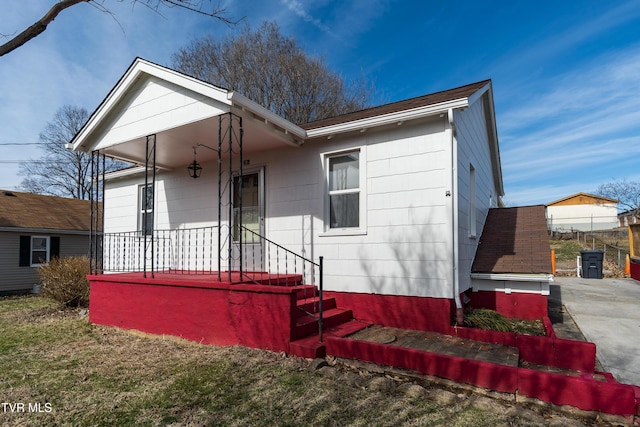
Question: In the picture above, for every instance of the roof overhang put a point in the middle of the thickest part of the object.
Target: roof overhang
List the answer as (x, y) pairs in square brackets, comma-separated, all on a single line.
[(391, 118)]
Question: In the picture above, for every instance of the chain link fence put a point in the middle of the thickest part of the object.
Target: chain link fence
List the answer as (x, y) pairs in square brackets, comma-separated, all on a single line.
[(614, 243)]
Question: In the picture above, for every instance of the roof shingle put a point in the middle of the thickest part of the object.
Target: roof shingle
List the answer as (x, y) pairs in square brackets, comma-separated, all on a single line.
[(514, 240), (27, 210)]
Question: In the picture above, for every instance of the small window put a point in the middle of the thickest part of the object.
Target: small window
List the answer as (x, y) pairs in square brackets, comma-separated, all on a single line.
[(344, 190), (145, 203), (40, 250)]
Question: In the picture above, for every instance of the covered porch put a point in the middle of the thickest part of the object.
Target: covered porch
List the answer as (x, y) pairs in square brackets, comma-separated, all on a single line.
[(177, 131)]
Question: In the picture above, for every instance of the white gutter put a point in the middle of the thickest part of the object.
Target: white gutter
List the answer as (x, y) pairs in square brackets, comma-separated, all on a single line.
[(121, 173), (44, 230), (515, 277), (454, 215), (386, 119), (287, 127)]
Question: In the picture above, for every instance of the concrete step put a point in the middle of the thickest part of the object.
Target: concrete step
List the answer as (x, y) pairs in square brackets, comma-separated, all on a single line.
[(306, 292), (310, 347), (312, 306), (307, 325)]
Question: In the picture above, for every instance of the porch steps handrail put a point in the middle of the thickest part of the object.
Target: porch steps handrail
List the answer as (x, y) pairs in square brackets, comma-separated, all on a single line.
[(265, 250)]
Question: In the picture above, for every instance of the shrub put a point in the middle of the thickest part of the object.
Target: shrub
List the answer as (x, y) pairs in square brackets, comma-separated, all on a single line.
[(65, 280)]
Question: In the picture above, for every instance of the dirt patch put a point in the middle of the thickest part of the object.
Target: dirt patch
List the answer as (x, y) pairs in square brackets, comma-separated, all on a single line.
[(442, 344)]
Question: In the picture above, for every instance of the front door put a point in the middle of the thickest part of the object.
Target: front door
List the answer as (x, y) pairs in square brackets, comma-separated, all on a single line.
[(248, 222)]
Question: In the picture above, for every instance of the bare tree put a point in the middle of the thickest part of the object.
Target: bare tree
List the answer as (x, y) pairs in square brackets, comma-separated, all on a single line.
[(627, 193), (61, 172), (273, 71), (40, 25)]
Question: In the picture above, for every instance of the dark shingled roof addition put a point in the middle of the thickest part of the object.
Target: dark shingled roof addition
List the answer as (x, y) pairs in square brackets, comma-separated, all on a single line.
[(514, 240), (27, 210)]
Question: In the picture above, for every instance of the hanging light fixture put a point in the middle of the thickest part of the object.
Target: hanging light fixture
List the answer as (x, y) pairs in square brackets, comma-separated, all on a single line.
[(195, 170)]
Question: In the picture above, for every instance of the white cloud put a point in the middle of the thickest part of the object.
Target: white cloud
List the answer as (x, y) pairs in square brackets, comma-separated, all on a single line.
[(581, 126), (296, 7)]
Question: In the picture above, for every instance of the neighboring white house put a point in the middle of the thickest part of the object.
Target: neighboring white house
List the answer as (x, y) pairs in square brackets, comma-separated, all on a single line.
[(393, 197), (583, 212)]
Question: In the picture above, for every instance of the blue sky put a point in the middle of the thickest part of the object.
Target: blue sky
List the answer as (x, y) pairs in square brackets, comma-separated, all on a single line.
[(566, 74)]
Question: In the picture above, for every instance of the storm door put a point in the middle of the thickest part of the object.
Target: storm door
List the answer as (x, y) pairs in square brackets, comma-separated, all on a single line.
[(248, 221)]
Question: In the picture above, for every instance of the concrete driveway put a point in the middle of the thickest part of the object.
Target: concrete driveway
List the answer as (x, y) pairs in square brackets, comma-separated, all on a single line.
[(607, 311)]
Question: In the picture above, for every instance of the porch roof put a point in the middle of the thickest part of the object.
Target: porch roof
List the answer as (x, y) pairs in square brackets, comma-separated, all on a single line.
[(182, 112)]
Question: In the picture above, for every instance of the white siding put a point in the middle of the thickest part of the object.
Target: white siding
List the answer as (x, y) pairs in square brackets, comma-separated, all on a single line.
[(405, 248), (473, 150), (157, 105), (585, 217)]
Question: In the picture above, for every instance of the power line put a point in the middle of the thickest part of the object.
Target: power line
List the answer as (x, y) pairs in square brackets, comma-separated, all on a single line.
[(33, 161), (22, 143)]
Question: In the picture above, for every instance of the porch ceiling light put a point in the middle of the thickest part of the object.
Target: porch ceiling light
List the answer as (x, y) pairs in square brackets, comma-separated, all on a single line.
[(195, 170)]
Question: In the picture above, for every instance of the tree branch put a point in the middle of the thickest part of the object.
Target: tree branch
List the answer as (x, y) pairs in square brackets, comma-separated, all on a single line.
[(39, 27)]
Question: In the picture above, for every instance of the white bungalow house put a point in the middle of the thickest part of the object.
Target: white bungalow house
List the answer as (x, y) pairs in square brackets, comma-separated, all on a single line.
[(392, 198)]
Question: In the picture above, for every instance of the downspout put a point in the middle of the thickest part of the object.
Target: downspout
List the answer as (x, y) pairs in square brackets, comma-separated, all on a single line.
[(454, 217)]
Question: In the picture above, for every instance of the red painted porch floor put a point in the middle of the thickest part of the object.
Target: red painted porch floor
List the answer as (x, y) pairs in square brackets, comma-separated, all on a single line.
[(212, 277)]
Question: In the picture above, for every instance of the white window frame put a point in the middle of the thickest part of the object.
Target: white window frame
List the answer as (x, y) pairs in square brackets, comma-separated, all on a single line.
[(148, 211), (32, 250), (361, 190)]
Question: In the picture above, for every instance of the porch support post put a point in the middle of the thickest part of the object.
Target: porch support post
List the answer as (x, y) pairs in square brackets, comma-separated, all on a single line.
[(92, 214), (220, 198), (96, 214), (240, 177), (150, 157), (230, 195), (101, 212), (231, 134)]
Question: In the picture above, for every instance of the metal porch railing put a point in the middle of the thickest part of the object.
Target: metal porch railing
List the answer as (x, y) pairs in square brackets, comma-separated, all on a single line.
[(196, 251)]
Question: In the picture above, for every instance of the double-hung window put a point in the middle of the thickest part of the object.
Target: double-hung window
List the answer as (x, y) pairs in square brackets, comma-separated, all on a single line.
[(344, 190), (145, 206), (39, 250)]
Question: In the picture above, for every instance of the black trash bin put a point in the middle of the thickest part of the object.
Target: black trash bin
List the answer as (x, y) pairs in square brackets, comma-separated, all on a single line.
[(592, 264)]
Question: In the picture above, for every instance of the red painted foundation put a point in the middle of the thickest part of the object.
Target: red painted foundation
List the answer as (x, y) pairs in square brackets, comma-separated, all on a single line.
[(404, 312), (514, 305), (204, 311)]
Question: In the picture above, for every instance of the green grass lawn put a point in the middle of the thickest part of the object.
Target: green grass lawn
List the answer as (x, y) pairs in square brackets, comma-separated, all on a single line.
[(566, 250), (82, 374)]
